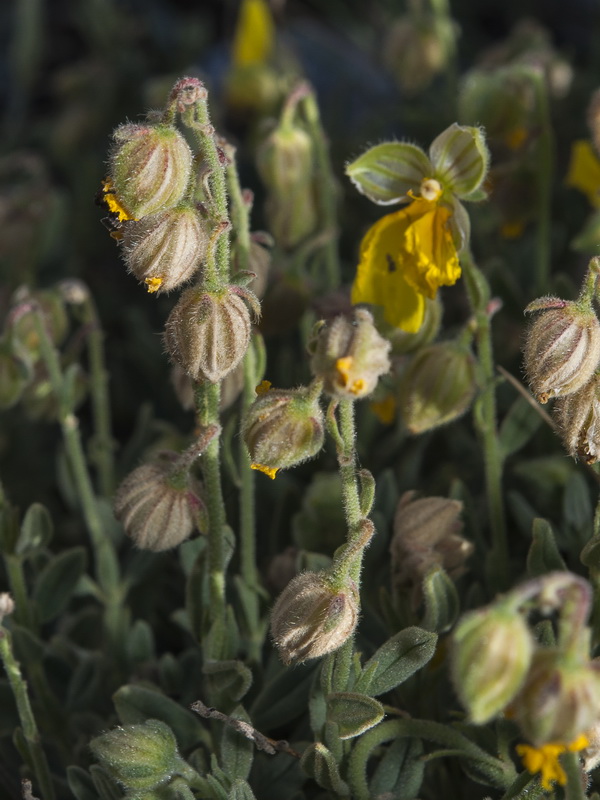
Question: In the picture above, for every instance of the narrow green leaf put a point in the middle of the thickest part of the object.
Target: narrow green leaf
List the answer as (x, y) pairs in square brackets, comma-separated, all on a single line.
[(81, 784), (399, 773), (237, 751), (56, 582), (140, 642), (396, 660), (320, 764), (518, 426), (36, 529), (442, 605)]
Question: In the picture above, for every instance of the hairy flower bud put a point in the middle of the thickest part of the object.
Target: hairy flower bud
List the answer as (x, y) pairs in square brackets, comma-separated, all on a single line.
[(22, 326), (140, 757), (350, 355), (438, 386), (562, 349), (578, 419), (150, 167), (159, 506), (283, 428), (285, 164), (311, 619), (426, 534), (415, 52), (207, 333), (165, 249), (492, 651), (559, 700)]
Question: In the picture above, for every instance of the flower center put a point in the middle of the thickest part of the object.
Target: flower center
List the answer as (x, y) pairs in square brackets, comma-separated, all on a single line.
[(431, 189)]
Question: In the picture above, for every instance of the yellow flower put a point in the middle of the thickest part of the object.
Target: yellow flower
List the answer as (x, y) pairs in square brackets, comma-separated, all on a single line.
[(545, 759), (405, 257), (584, 171), (254, 34), (270, 471)]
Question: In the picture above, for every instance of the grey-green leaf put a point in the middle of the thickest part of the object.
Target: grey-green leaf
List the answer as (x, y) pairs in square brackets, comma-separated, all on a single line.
[(237, 751), (543, 554), (57, 581), (36, 529), (518, 426), (353, 713), (442, 605), (396, 660)]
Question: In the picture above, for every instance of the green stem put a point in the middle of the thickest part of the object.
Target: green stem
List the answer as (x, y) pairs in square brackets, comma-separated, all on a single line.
[(103, 451), (485, 419), (545, 175), (207, 403), (574, 789), (28, 723), (326, 185), (106, 563)]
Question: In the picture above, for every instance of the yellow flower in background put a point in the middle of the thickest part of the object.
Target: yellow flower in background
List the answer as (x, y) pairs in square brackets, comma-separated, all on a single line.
[(405, 257), (545, 759), (254, 34), (584, 171)]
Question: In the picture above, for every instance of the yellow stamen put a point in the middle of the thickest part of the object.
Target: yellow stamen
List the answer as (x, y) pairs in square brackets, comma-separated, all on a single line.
[(343, 366), (545, 759), (270, 471), (263, 387), (153, 284), (112, 202)]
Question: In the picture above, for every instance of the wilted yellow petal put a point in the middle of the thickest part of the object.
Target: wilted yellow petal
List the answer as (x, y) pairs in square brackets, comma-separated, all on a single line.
[(545, 759), (584, 171), (379, 277), (254, 34)]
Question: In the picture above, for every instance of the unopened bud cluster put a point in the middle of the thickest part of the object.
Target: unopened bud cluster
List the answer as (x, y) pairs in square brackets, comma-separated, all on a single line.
[(562, 360)]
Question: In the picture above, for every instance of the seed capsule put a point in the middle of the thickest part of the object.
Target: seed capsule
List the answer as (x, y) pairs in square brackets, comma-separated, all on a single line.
[(150, 168), (207, 333), (165, 249), (562, 349)]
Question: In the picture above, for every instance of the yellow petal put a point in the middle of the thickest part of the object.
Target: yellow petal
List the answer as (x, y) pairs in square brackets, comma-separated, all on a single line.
[(270, 471), (584, 171), (428, 257), (254, 34), (379, 279)]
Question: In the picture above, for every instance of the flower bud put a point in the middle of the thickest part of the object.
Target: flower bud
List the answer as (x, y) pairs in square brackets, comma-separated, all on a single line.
[(426, 534), (438, 386), (160, 506), (150, 167), (285, 164), (562, 349), (22, 323), (311, 619), (350, 355), (578, 419), (165, 249), (283, 428), (492, 651), (140, 757), (207, 333), (559, 700), (415, 53)]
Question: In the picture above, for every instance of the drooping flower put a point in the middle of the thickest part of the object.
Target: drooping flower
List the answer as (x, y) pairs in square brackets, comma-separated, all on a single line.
[(407, 255), (545, 759)]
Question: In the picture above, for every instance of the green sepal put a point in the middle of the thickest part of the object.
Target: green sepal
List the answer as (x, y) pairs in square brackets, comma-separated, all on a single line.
[(387, 172), (354, 713), (460, 158), (320, 764), (442, 605), (396, 660)]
